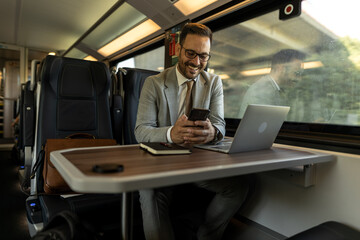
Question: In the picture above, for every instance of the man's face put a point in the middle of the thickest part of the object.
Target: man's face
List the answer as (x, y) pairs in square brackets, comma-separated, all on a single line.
[(290, 73), (191, 67)]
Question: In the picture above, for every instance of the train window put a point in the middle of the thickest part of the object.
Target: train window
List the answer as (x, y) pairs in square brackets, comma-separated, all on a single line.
[(311, 63), (120, 21), (151, 60), (123, 19), (76, 53)]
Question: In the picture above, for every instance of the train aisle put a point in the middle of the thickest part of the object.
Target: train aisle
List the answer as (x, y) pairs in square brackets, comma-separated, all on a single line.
[(13, 224)]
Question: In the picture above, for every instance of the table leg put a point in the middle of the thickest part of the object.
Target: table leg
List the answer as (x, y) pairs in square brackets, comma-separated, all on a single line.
[(124, 216)]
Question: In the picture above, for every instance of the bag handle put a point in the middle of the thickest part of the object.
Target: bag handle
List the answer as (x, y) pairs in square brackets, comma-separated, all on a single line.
[(38, 162), (80, 135)]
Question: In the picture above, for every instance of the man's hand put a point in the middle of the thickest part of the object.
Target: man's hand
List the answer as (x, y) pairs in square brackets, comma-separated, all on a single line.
[(180, 130), (192, 132), (203, 133)]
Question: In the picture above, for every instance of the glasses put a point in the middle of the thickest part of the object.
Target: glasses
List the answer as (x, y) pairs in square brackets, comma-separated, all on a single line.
[(298, 73), (204, 57)]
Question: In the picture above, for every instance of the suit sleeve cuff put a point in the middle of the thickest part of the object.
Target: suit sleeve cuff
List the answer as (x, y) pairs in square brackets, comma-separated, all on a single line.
[(168, 135)]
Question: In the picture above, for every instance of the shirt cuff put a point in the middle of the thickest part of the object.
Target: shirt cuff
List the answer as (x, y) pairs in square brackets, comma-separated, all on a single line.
[(168, 135)]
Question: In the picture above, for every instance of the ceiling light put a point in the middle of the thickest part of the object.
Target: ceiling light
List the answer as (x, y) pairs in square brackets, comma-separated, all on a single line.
[(224, 76), (315, 64), (90, 58), (135, 34), (52, 53), (254, 72), (211, 70), (188, 7), (263, 71)]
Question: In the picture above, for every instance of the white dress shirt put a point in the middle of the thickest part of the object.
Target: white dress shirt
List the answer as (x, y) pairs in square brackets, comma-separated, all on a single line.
[(181, 96)]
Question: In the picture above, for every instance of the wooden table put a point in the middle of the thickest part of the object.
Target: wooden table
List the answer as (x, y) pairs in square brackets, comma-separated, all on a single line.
[(143, 170)]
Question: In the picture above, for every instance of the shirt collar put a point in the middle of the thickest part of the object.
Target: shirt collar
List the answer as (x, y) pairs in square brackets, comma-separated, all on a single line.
[(274, 83), (180, 78)]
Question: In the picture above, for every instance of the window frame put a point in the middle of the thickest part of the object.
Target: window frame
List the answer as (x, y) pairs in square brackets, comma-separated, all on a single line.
[(340, 138)]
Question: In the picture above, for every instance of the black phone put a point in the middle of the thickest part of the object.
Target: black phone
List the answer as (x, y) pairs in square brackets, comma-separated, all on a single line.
[(198, 114), (108, 168)]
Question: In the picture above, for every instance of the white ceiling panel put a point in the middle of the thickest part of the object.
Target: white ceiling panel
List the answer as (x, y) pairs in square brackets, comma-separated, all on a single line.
[(49, 24), (8, 11), (56, 25)]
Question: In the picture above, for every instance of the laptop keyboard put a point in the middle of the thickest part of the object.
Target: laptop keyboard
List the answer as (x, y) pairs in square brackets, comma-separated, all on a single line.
[(222, 145)]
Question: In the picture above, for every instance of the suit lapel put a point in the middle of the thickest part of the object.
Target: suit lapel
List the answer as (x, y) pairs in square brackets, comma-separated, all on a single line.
[(199, 90), (171, 94)]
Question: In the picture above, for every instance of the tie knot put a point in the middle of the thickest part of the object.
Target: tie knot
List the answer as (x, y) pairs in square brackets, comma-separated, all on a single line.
[(189, 83)]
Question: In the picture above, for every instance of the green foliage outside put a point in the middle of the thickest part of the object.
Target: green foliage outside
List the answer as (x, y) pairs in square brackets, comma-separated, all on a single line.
[(328, 94)]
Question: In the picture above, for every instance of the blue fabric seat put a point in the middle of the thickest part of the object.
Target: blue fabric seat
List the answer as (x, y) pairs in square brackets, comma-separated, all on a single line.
[(73, 98), (132, 81)]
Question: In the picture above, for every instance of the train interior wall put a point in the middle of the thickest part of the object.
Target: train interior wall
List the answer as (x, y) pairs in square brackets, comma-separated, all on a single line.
[(287, 208)]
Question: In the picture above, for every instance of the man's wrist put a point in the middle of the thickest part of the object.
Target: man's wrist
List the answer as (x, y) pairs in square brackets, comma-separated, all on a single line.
[(216, 135)]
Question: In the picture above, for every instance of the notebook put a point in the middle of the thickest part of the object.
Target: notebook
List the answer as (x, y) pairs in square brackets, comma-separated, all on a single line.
[(256, 131), (160, 148)]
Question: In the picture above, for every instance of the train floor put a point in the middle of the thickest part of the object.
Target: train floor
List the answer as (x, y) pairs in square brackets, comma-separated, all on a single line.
[(13, 223)]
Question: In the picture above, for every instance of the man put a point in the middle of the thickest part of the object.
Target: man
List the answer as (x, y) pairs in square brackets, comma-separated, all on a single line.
[(161, 118), (272, 89)]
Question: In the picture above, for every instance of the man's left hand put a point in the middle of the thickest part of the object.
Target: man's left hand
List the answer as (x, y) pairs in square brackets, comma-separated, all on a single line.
[(203, 133)]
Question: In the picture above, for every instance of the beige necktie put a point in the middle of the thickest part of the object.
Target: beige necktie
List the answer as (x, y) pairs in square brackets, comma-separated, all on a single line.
[(188, 99)]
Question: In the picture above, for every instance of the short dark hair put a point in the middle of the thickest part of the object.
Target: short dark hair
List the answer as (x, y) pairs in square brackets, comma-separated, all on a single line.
[(287, 55), (197, 29)]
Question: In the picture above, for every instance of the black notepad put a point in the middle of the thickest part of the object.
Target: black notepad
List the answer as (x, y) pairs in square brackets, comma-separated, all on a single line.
[(159, 148)]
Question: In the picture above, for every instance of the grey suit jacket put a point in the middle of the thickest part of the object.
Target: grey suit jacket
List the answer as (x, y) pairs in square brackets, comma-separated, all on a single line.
[(159, 104)]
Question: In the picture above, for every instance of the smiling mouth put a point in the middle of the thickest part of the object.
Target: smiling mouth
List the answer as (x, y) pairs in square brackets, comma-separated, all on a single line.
[(192, 68)]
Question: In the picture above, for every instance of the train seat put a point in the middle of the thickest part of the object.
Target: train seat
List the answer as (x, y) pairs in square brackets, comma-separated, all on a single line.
[(26, 126), (72, 98), (19, 133), (330, 230), (116, 106), (127, 84), (132, 81)]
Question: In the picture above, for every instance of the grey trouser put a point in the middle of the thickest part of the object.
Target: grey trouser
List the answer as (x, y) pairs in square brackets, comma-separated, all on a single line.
[(229, 195)]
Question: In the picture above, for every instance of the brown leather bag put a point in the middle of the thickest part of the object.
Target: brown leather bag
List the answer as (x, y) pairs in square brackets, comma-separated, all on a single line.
[(53, 181)]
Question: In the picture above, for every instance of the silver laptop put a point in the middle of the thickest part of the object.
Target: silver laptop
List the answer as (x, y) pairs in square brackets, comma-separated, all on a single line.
[(256, 131)]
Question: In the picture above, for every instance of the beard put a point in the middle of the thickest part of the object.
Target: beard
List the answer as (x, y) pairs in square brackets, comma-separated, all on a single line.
[(190, 70)]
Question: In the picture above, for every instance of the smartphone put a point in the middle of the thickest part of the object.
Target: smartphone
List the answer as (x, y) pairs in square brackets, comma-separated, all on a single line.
[(198, 114)]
